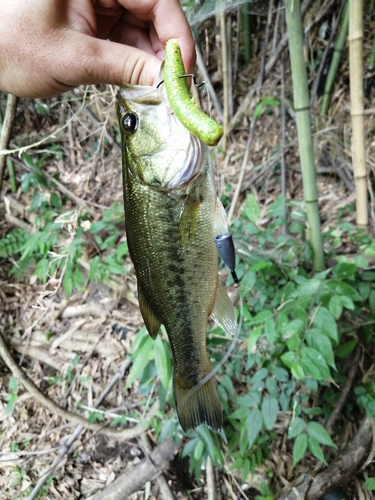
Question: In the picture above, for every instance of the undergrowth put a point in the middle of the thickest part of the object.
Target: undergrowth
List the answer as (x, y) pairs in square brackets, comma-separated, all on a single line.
[(299, 330), (63, 239)]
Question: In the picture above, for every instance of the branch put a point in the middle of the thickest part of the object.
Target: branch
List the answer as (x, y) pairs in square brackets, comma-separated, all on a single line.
[(339, 472), (133, 480), (10, 114), (123, 434)]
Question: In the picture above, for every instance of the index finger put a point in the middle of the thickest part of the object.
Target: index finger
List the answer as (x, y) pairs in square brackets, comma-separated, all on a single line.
[(169, 21)]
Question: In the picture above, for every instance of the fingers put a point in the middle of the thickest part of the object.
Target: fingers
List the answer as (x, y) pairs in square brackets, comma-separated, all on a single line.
[(177, 27), (103, 61)]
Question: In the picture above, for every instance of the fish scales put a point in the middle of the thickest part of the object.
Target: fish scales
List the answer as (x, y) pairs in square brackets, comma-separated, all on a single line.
[(169, 201)]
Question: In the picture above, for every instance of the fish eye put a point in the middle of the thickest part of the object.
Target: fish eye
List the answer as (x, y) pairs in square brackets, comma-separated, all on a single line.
[(130, 123)]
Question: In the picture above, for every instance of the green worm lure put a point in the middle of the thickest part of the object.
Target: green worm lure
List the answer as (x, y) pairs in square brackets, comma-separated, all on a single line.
[(182, 104)]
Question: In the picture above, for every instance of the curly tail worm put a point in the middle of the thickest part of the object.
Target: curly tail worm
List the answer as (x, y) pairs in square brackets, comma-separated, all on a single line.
[(182, 104)]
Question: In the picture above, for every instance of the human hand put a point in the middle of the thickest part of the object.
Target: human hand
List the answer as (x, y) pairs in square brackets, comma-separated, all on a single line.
[(50, 46)]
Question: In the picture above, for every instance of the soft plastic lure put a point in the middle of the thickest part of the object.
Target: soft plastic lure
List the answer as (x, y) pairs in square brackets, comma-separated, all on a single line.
[(182, 104)]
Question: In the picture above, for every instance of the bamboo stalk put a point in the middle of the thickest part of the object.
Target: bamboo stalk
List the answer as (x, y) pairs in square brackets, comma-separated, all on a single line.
[(245, 21), (356, 99), (224, 59), (305, 143), (336, 58)]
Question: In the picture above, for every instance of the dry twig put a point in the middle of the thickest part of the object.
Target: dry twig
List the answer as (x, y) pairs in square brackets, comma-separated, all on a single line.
[(6, 131), (339, 472), (344, 394), (164, 489), (131, 481), (124, 434), (66, 447)]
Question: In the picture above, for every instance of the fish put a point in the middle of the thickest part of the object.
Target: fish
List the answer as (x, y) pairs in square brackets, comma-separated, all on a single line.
[(172, 215)]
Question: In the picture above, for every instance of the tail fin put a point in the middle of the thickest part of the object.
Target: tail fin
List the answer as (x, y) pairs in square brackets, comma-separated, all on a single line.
[(199, 405)]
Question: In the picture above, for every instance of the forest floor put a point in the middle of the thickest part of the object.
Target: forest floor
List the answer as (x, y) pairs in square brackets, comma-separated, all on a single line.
[(72, 347)]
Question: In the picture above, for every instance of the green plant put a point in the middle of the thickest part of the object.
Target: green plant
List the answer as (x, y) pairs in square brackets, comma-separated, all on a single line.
[(298, 330), (12, 396), (62, 235)]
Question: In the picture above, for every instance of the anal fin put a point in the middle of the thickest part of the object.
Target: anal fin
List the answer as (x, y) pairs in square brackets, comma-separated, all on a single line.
[(223, 312), (151, 322)]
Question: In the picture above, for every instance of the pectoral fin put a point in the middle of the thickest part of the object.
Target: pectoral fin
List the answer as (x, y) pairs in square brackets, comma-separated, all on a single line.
[(151, 322), (220, 218), (223, 312)]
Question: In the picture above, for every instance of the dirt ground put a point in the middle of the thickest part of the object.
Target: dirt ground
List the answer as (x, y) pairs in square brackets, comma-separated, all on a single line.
[(71, 348)]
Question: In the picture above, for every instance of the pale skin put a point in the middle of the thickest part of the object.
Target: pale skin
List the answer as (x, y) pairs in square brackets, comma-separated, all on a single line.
[(48, 47)]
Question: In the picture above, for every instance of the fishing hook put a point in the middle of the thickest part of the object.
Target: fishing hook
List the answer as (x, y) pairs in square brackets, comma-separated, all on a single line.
[(198, 85)]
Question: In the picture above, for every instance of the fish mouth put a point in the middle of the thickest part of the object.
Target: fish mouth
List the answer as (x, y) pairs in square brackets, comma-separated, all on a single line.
[(189, 172)]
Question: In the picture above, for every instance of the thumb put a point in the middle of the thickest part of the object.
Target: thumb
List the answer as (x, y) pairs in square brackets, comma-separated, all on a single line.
[(92, 60)]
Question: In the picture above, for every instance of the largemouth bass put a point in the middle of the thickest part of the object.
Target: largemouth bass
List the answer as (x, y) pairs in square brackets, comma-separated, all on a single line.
[(172, 215)]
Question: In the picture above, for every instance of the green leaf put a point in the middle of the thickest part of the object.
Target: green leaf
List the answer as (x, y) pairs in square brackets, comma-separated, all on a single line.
[(94, 269), (79, 279), (325, 321), (370, 483), (297, 371), (314, 363), (293, 343), (271, 386), (240, 414), (12, 400), (248, 280), (251, 208), (13, 384), (122, 250), (345, 349), (294, 327), (344, 270), (253, 338), (249, 400), (68, 283), (162, 360), (316, 450), (140, 359), (288, 358), (335, 306), (342, 288), (364, 289), (198, 450), (299, 448), (372, 300), (259, 375), (94, 416), (270, 330), (321, 343), (206, 436), (318, 432), (308, 287), (98, 226), (254, 425), (347, 303), (269, 408), (296, 427), (262, 316)]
